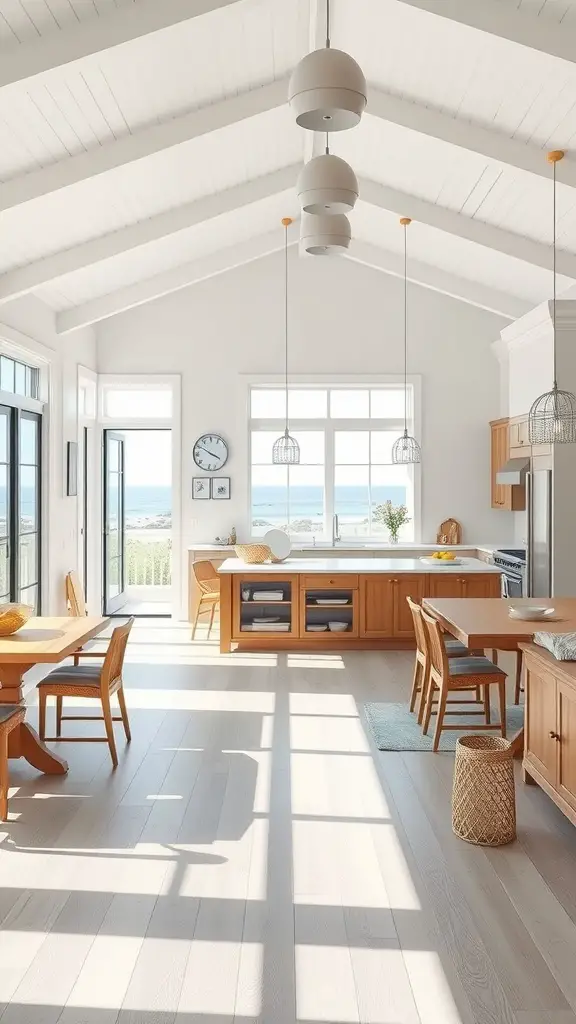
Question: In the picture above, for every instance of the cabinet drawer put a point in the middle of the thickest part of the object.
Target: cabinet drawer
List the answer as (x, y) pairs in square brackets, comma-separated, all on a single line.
[(326, 581)]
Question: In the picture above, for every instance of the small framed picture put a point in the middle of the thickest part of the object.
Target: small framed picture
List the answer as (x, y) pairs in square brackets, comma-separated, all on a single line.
[(200, 487), (71, 468), (221, 487)]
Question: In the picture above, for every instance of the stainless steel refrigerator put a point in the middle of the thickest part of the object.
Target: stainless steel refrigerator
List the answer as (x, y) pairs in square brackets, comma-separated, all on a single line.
[(539, 550)]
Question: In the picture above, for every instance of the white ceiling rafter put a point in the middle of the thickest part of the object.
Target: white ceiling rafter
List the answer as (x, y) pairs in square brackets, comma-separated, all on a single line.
[(473, 137), (488, 235), (140, 144), (98, 34), (428, 276), (317, 39), (25, 279), (506, 22), (168, 281)]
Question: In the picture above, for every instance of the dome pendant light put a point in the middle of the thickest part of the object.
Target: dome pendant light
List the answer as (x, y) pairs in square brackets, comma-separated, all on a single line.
[(327, 185), (406, 449), (327, 234), (327, 89), (286, 450), (552, 418)]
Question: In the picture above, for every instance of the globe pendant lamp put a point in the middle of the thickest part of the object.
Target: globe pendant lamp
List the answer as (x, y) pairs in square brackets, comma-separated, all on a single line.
[(327, 184), (327, 89), (327, 234), (286, 450), (406, 449), (552, 418)]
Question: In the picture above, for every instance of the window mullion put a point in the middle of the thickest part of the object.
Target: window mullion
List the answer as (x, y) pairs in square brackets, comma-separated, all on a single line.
[(329, 470)]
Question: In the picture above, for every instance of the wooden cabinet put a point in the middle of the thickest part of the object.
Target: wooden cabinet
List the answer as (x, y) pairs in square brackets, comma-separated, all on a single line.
[(406, 585), (250, 604), (483, 584), (376, 606), (550, 727), (503, 496), (519, 440)]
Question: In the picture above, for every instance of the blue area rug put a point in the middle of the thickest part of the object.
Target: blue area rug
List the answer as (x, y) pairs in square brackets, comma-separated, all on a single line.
[(394, 727)]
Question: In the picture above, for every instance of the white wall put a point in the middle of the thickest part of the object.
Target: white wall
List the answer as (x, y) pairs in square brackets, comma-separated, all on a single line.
[(29, 323), (344, 319)]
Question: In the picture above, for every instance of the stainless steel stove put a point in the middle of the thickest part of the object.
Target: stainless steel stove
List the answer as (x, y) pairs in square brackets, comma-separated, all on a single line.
[(512, 561)]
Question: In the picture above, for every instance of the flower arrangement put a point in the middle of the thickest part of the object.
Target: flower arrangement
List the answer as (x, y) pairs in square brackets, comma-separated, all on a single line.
[(393, 517)]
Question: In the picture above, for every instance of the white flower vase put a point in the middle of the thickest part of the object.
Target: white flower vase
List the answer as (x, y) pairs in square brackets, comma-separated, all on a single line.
[(393, 538)]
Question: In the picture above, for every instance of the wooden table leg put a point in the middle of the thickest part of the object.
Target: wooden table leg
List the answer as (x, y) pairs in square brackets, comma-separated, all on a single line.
[(24, 740)]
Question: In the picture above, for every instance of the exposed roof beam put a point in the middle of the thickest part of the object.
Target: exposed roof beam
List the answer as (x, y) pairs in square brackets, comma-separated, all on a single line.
[(142, 143), (167, 282), (488, 235), (97, 34), (474, 137), (437, 280), (503, 20), (34, 275)]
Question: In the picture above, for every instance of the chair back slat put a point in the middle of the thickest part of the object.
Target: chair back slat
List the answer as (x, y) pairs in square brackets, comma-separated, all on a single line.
[(114, 660), (206, 576), (419, 629), (438, 656), (75, 595)]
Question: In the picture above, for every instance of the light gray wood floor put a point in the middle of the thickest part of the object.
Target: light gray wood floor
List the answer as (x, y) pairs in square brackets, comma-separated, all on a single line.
[(253, 859)]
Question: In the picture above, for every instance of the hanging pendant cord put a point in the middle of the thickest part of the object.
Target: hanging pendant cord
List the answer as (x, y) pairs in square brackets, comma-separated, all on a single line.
[(405, 331), (286, 314), (327, 144), (327, 24), (554, 273)]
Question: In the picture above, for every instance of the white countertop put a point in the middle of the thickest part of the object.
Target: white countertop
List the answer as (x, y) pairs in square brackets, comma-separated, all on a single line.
[(354, 565), (347, 546)]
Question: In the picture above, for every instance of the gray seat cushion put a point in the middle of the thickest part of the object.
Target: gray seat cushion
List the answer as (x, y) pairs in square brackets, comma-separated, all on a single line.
[(454, 647), (474, 667), (74, 675)]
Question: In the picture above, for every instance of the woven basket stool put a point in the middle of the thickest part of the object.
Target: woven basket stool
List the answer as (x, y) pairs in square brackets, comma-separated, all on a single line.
[(483, 795)]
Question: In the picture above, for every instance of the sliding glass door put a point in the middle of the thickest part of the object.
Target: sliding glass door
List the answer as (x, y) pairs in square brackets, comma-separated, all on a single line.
[(20, 433), (114, 527), (5, 503)]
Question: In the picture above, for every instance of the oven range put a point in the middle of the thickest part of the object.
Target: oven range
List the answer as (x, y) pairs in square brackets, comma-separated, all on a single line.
[(512, 562)]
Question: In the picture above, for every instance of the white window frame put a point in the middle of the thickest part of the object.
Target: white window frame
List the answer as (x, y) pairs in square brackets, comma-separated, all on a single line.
[(330, 426)]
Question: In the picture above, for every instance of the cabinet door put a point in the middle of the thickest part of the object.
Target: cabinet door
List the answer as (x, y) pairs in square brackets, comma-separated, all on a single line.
[(449, 585), (566, 730), (481, 585), (404, 586), (540, 744), (377, 605), (499, 445)]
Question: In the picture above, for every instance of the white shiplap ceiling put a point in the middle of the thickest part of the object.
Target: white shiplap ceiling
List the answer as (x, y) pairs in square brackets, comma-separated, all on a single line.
[(145, 145)]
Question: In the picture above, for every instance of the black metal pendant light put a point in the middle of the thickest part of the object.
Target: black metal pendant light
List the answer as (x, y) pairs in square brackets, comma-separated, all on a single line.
[(286, 450), (552, 418), (406, 450)]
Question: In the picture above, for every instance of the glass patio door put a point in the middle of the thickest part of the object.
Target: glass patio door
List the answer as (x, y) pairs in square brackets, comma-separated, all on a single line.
[(5, 503), (114, 527)]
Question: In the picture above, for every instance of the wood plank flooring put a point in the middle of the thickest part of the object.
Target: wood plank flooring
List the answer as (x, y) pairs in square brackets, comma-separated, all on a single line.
[(254, 859)]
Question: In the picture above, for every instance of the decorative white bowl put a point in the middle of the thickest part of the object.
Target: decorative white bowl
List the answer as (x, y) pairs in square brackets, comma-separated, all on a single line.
[(338, 627), (531, 613)]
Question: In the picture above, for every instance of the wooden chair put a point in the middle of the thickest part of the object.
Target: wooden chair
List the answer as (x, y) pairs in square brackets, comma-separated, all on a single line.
[(11, 716), (457, 674), (208, 583), (95, 682), (454, 649), (77, 607), (518, 688)]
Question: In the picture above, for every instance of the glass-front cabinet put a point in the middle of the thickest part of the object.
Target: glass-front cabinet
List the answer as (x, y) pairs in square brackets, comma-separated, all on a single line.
[(265, 607), (329, 606)]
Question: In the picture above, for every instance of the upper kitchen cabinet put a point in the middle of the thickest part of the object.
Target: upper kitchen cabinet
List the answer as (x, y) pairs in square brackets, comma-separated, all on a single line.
[(520, 446), (503, 496)]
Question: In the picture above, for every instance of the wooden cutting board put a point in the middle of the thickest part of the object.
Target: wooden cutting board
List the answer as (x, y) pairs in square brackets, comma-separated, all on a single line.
[(449, 532)]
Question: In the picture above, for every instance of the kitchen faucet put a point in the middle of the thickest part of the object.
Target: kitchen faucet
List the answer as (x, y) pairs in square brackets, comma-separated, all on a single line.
[(335, 530)]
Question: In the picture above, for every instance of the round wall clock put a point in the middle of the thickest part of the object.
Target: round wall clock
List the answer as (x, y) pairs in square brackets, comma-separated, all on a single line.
[(210, 452)]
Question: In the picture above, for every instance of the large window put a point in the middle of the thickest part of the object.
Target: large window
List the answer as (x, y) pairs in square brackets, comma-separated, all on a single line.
[(345, 437), (19, 506)]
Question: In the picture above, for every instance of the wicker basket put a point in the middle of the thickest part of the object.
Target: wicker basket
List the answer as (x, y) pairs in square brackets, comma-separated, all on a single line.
[(483, 795), (253, 554), (13, 616)]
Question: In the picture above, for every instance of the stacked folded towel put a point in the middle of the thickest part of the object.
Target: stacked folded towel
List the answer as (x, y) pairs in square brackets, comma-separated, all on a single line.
[(561, 645)]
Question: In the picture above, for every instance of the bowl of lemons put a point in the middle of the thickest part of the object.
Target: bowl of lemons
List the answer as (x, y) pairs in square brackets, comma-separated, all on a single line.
[(442, 559)]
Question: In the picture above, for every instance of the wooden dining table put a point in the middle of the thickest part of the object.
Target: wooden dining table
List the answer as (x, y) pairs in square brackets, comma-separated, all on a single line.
[(43, 640), (486, 623)]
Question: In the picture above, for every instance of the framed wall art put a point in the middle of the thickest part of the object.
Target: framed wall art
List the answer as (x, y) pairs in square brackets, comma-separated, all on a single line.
[(221, 487), (200, 488)]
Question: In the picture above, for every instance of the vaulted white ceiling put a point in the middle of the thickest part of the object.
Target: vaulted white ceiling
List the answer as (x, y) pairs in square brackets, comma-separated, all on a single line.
[(147, 145)]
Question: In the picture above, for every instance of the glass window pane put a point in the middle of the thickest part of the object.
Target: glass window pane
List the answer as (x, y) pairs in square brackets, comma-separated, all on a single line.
[(28, 440), (268, 403), (306, 500), (35, 382), (262, 443), (311, 446), (269, 498), (20, 379), (6, 374), (388, 403), (353, 404), (307, 405), (392, 483), (28, 499), (351, 500), (113, 455), (30, 596), (4, 572), (4, 429), (3, 503), (381, 442), (28, 383), (28, 559), (351, 446), (147, 404)]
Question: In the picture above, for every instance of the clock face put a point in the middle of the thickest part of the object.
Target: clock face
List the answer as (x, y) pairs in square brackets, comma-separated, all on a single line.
[(210, 452)]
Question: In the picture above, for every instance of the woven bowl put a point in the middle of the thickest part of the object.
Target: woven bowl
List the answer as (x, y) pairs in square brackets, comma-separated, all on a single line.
[(253, 554), (13, 616)]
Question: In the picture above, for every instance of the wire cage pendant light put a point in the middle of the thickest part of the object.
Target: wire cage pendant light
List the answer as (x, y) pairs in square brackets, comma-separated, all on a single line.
[(552, 418), (405, 450), (286, 450)]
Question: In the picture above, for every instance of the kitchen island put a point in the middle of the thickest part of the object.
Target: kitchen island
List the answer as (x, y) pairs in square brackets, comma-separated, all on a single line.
[(338, 604)]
